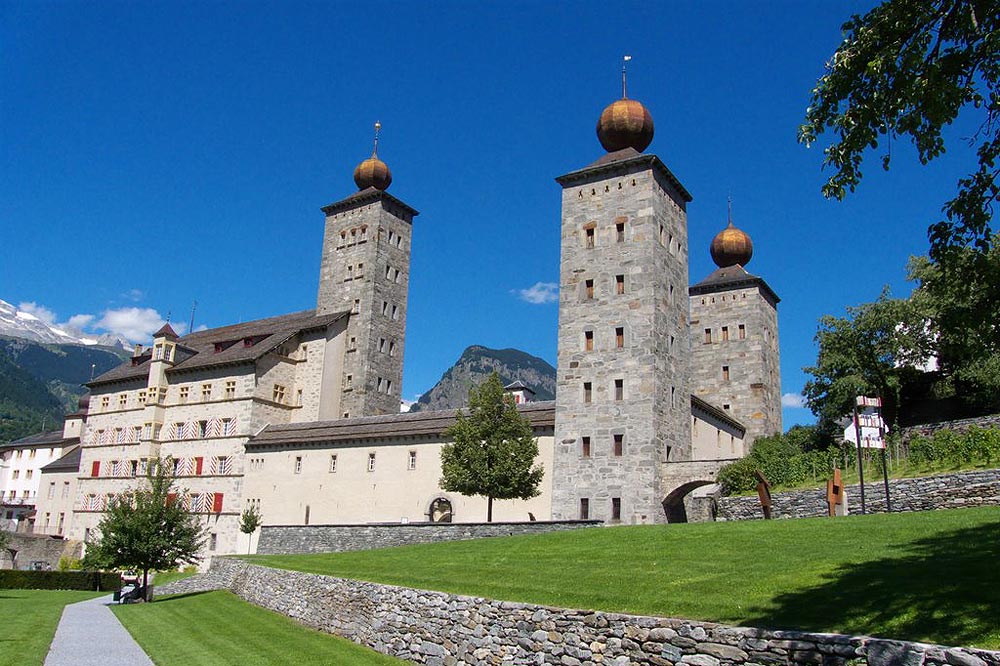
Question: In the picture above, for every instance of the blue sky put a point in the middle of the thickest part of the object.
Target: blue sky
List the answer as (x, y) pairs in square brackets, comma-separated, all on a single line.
[(154, 154)]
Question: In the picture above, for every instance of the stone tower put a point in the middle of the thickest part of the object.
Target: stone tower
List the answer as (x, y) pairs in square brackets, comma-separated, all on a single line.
[(365, 269), (735, 361), (622, 397)]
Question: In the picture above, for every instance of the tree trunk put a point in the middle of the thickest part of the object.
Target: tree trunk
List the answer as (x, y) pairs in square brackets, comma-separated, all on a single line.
[(145, 584), (489, 509)]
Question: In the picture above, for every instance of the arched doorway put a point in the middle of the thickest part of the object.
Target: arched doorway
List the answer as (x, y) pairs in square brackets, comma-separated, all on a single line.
[(673, 504), (440, 511)]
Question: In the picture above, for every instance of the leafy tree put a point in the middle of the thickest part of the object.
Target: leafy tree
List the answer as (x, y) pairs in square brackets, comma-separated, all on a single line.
[(147, 528), (870, 352), (250, 520), (907, 68), (493, 451), (4, 539)]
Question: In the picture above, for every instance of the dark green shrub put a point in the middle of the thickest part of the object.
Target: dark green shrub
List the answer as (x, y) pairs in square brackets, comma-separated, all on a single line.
[(59, 580)]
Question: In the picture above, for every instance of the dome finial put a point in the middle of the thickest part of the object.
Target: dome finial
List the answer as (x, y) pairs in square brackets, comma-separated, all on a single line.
[(625, 123), (731, 246), (729, 201), (373, 172), (625, 59)]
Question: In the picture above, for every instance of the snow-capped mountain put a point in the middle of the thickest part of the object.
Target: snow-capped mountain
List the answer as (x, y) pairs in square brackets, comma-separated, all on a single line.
[(19, 324)]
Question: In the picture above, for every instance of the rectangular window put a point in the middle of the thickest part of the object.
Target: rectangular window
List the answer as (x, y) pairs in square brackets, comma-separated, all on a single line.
[(298, 464), (620, 337), (388, 387), (395, 312), (588, 288), (618, 446), (584, 508), (122, 400), (352, 344), (412, 462), (52, 490), (585, 447), (725, 333), (620, 232), (349, 382), (230, 389), (278, 394), (708, 336), (587, 392), (333, 463), (381, 345), (725, 373), (616, 508), (619, 389), (742, 330), (206, 391), (213, 541), (619, 284), (385, 308), (183, 393), (588, 341), (357, 306), (392, 349), (371, 462), (105, 402), (65, 489), (590, 236)]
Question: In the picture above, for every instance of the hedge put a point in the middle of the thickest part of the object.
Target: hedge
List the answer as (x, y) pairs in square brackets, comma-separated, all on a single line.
[(59, 580)]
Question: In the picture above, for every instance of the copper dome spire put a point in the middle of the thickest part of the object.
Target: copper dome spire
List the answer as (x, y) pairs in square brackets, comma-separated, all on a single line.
[(625, 123), (731, 246), (373, 172)]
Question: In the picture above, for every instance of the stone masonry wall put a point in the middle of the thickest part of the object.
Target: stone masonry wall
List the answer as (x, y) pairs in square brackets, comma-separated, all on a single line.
[(36, 548), (440, 629), (926, 429), (282, 539), (944, 491)]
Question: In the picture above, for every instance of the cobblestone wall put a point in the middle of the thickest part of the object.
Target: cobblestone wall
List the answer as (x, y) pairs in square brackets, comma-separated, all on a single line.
[(988, 421), (944, 491), (281, 539), (36, 548), (440, 629)]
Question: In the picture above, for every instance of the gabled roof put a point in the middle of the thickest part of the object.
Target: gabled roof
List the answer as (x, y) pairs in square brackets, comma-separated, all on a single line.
[(197, 350), (729, 278), (721, 414), (431, 423), (42, 440), (70, 462), (518, 386)]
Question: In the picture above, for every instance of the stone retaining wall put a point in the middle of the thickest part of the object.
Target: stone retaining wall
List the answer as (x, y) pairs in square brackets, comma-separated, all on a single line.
[(943, 491), (285, 539), (38, 548), (440, 629), (926, 429)]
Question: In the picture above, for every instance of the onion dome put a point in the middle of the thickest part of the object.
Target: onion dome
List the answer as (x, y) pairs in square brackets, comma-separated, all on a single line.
[(731, 246), (373, 172), (625, 124)]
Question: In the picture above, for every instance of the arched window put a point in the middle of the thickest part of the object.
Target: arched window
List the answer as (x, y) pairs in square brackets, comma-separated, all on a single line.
[(441, 511)]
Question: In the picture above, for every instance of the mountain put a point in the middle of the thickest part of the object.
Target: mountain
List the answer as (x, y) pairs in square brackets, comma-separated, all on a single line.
[(39, 383), (16, 323), (475, 364)]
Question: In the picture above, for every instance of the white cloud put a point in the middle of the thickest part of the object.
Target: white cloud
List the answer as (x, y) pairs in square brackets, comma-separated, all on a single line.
[(793, 400), (133, 324), (539, 293), (134, 295), (40, 311), (80, 321)]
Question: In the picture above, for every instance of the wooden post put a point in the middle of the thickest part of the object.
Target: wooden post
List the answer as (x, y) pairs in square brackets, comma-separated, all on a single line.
[(764, 494), (834, 491)]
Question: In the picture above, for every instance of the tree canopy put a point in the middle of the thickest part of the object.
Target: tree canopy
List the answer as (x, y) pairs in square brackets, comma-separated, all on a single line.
[(147, 528), (250, 520), (493, 449), (906, 69)]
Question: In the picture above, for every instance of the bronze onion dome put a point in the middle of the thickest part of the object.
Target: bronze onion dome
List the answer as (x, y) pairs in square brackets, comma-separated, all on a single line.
[(625, 123), (373, 172), (731, 246)]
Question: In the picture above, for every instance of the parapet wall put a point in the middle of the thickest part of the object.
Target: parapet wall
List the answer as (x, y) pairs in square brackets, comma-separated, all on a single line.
[(440, 629), (287, 539), (943, 491)]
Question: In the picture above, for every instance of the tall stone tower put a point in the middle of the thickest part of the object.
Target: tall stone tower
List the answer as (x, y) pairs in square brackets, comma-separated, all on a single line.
[(365, 269), (735, 360), (622, 397)]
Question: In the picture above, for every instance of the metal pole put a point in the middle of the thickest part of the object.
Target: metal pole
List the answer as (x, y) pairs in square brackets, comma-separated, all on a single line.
[(885, 476), (861, 465)]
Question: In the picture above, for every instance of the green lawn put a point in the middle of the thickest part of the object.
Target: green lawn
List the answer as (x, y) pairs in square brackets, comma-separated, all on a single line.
[(163, 577), (28, 620), (930, 576), (213, 628)]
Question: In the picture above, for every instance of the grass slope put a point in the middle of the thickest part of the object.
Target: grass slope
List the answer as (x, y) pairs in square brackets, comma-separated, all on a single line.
[(28, 619), (211, 628), (928, 576)]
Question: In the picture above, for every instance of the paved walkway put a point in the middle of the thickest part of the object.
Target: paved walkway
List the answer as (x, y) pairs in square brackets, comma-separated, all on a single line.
[(89, 634)]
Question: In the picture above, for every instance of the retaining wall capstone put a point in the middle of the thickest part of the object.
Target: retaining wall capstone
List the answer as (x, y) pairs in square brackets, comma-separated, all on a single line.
[(287, 539), (440, 629), (942, 491), (927, 429)]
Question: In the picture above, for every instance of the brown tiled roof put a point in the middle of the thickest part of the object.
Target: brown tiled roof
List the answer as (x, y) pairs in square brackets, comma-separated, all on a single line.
[(197, 350), (541, 415), (721, 414), (729, 278), (367, 195), (616, 160), (68, 463), (41, 440)]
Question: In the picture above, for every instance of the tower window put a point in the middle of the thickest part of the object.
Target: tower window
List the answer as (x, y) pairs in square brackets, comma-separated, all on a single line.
[(588, 340), (298, 464), (618, 446), (371, 462), (620, 337), (412, 461), (392, 349), (742, 332), (726, 407), (725, 333), (725, 373), (585, 447), (357, 306), (584, 508), (587, 392), (588, 288), (620, 232), (616, 508), (589, 235), (619, 284), (619, 389), (381, 345), (333, 463), (708, 336)]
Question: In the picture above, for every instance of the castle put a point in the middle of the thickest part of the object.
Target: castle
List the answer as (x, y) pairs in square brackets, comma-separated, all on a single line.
[(659, 383)]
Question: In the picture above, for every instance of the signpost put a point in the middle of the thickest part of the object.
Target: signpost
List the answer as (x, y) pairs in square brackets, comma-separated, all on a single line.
[(869, 432)]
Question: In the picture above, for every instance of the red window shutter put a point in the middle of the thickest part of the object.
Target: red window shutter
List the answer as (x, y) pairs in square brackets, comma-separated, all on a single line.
[(197, 465), (95, 469), (171, 498), (217, 503)]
